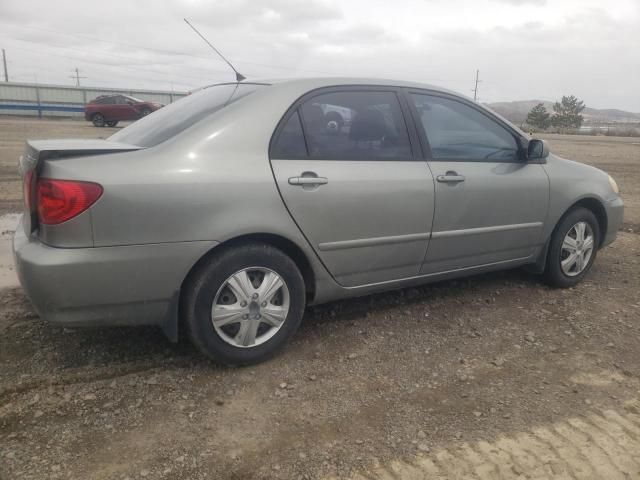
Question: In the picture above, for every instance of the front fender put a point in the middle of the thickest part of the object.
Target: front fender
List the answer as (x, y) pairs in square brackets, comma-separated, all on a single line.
[(572, 183)]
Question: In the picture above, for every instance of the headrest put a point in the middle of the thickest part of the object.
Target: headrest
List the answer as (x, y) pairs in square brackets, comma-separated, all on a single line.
[(368, 125)]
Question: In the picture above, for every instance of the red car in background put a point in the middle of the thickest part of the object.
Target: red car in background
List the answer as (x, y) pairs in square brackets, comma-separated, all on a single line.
[(110, 109)]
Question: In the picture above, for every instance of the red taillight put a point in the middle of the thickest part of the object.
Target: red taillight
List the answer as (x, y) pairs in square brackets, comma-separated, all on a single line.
[(27, 184), (61, 200)]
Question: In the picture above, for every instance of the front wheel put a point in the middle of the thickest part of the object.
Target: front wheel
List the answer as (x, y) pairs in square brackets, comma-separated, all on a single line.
[(573, 248), (242, 305)]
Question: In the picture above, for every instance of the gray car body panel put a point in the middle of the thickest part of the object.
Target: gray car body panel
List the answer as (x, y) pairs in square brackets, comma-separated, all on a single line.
[(571, 182), (126, 285), (371, 222), (497, 214), (124, 260)]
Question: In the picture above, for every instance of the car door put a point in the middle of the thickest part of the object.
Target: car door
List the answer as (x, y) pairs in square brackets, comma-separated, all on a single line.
[(126, 109), (490, 203), (353, 185), (108, 107)]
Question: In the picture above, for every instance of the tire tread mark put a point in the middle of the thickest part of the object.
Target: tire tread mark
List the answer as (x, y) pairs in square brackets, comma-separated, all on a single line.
[(504, 467), (519, 455), (603, 444), (609, 447), (574, 458), (558, 457), (633, 430), (620, 438), (453, 465), (598, 458)]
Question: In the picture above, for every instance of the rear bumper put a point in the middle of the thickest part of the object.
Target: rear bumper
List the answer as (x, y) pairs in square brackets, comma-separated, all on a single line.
[(615, 213), (123, 285)]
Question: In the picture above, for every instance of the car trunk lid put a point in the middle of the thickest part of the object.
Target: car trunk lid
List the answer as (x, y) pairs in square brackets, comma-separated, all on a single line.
[(38, 151)]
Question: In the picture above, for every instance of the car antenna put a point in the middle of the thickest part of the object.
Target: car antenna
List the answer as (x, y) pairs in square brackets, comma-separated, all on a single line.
[(239, 76)]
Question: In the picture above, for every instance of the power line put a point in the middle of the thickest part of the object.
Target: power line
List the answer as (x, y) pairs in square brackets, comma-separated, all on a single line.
[(110, 66), (77, 77), (92, 59)]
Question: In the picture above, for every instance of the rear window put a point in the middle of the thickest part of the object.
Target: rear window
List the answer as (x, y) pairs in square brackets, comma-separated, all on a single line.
[(167, 122), (105, 100)]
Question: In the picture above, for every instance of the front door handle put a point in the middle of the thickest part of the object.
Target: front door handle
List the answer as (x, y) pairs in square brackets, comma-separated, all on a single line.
[(308, 181), (450, 177)]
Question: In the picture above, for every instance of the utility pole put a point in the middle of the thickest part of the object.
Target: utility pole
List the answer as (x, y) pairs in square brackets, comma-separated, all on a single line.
[(475, 90), (77, 77), (4, 62)]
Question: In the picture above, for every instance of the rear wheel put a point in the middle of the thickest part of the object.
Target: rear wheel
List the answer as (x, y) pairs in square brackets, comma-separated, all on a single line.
[(112, 123), (98, 120), (243, 305), (573, 248)]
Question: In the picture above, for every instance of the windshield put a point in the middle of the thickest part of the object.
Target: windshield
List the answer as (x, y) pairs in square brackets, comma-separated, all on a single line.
[(178, 116), (134, 99)]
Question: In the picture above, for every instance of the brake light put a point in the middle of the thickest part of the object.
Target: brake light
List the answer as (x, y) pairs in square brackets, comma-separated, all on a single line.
[(27, 185), (61, 200)]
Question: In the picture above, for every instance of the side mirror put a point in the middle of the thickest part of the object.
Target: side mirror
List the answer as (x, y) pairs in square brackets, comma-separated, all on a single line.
[(129, 102), (537, 149)]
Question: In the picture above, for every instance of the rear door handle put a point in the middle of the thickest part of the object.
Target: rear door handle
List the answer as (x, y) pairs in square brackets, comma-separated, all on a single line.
[(450, 177), (308, 181)]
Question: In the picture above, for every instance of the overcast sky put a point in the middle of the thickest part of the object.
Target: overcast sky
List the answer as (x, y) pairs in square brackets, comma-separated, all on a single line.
[(524, 49)]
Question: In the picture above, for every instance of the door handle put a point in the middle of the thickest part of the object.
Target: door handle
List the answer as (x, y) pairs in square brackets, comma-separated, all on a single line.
[(308, 181), (450, 177)]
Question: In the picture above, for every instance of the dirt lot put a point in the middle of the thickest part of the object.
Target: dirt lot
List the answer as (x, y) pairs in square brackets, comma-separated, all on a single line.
[(495, 376)]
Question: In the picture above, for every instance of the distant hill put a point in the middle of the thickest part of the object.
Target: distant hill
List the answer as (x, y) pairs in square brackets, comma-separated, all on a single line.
[(517, 112)]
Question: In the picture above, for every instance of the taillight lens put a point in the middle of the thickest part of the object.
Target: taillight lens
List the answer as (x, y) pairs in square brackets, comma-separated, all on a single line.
[(61, 200), (27, 183)]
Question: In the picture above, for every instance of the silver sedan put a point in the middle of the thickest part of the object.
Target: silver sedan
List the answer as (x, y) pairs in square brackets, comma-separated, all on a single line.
[(224, 214)]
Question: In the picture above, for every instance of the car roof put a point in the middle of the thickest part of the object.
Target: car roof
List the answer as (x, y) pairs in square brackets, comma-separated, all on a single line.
[(320, 82)]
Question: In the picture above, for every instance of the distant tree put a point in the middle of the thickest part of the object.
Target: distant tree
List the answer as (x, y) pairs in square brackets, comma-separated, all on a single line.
[(567, 113), (539, 117)]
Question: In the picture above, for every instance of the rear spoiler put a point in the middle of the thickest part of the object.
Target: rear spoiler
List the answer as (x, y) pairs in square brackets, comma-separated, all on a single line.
[(39, 150)]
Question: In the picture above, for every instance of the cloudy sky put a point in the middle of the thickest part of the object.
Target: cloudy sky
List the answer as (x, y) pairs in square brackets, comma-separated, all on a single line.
[(524, 49)]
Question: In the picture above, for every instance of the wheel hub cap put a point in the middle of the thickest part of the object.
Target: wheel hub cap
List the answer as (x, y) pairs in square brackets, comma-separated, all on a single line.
[(250, 307), (254, 310), (577, 249)]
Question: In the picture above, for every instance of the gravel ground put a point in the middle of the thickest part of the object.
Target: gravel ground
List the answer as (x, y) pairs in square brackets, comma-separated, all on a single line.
[(494, 376)]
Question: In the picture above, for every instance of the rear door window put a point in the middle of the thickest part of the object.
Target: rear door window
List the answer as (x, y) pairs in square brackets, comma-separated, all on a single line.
[(456, 131), (106, 101), (290, 142), (355, 125), (167, 122)]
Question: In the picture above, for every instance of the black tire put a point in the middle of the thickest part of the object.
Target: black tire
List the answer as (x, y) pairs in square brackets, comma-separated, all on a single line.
[(98, 120), (208, 278), (112, 123), (554, 275), (145, 112)]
